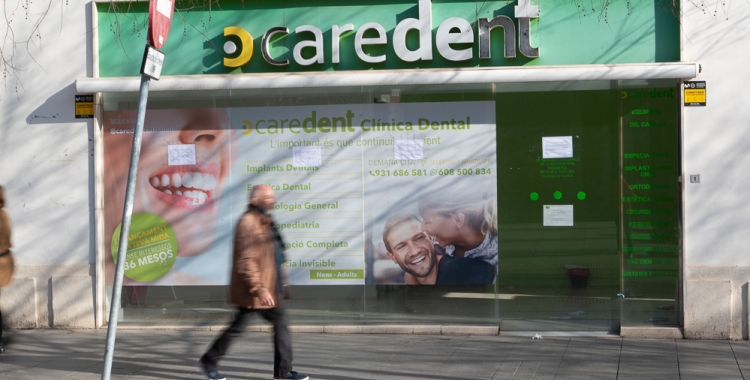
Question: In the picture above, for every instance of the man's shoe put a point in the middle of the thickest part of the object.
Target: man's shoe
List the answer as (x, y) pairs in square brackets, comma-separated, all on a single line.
[(210, 372), (293, 375)]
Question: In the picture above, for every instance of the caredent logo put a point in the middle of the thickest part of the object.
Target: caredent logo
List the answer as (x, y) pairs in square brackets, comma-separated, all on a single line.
[(454, 30)]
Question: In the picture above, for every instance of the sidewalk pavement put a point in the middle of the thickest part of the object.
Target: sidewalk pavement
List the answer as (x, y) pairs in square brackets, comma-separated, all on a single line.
[(172, 354)]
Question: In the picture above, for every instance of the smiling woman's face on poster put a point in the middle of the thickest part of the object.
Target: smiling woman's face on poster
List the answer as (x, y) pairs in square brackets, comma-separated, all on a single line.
[(184, 195)]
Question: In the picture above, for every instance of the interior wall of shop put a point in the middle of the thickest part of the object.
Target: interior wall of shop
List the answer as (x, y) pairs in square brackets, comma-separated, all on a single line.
[(715, 143), (46, 167)]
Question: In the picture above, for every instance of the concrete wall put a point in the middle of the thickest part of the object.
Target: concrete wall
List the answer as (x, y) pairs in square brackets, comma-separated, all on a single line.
[(46, 166), (716, 143)]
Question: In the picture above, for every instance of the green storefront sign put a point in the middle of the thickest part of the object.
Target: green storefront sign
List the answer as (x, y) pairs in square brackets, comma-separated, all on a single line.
[(290, 36)]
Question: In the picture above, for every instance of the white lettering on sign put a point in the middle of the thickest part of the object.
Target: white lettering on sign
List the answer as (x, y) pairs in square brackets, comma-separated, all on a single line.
[(360, 40), (525, 9), (445, 37), (317, 44), (452, 31), (424, 25), (336, 33)]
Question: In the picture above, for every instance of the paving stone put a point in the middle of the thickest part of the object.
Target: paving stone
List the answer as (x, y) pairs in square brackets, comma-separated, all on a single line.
[(157, 354), (708, 352), (455, 368), (507, 370), (584, 370), (648, 370), (701, 371)]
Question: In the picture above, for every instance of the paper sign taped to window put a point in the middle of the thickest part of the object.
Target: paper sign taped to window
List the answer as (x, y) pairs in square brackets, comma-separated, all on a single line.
[(408, 149), (558, 215), (182, 154), (557, 147), (305, 156)]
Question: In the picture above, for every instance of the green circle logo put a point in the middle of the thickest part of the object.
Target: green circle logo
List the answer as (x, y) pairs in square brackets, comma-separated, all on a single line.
[(534, 196), (581, 195), (557, 195), (152, 247)]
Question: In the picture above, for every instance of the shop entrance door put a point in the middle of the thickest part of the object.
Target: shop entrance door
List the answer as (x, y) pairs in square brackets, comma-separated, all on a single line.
[(588, 205), (558, 209)]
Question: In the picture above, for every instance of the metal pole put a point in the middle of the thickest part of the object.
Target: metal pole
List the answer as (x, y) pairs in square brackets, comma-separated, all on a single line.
[(135, 153)]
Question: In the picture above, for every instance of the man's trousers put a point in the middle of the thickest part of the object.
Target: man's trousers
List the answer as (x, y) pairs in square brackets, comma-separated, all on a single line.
[(282, 342)]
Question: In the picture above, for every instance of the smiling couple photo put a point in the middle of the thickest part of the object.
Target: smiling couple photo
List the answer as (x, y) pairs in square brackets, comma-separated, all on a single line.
[(451, 239)]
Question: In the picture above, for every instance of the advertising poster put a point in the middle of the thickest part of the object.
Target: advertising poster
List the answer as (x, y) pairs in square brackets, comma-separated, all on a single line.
[(366, 194)]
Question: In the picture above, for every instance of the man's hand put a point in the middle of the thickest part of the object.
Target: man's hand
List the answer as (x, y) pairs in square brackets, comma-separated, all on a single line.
[(266, 299)]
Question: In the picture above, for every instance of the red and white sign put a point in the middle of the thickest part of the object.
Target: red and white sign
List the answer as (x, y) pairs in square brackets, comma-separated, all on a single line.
[(159, 20)]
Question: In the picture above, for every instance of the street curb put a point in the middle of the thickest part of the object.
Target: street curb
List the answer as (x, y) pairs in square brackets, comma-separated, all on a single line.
[(625, 332), (339, 329), (651, 333)]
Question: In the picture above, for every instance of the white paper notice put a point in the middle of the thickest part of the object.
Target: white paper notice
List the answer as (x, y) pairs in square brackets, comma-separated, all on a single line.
[(557, 147), (306, 156), (558, 215), (408, 149), (182, 154)]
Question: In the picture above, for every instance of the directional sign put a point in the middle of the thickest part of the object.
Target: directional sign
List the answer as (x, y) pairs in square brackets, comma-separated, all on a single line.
[(153, 60), (159, 20)]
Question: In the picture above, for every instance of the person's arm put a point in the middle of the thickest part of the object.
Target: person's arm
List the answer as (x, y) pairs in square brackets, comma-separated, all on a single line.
[(248, 265)]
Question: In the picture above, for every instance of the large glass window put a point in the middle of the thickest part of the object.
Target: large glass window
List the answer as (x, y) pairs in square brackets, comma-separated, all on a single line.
[(581, 177)]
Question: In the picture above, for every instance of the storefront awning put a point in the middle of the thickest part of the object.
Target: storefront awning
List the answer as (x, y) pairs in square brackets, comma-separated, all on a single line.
[(676, 70)]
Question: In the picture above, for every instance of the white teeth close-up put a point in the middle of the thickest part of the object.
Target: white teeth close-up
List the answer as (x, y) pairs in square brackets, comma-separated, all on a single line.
[(419, 260), (184, 182), (199, 197), (187, 180), (198, 181), (176, 180)]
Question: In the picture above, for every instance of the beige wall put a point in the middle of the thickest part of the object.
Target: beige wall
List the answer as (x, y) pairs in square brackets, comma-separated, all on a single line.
[(715, 145), (44, 296)]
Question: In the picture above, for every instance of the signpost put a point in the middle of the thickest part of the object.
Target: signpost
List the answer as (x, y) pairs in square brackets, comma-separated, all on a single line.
[(159, 21)]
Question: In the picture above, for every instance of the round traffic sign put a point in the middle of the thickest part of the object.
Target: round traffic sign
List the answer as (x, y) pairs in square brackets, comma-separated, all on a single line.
[(159, 20)]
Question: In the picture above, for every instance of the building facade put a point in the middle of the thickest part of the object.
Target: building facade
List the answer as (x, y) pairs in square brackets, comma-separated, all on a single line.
[(549, 157)]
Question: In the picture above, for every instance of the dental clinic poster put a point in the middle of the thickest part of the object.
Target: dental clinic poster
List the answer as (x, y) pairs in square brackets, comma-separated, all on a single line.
[(339, 173)]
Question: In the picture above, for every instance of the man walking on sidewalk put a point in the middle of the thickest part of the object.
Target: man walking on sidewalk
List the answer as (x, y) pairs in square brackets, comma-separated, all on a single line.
[(256, 286)]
